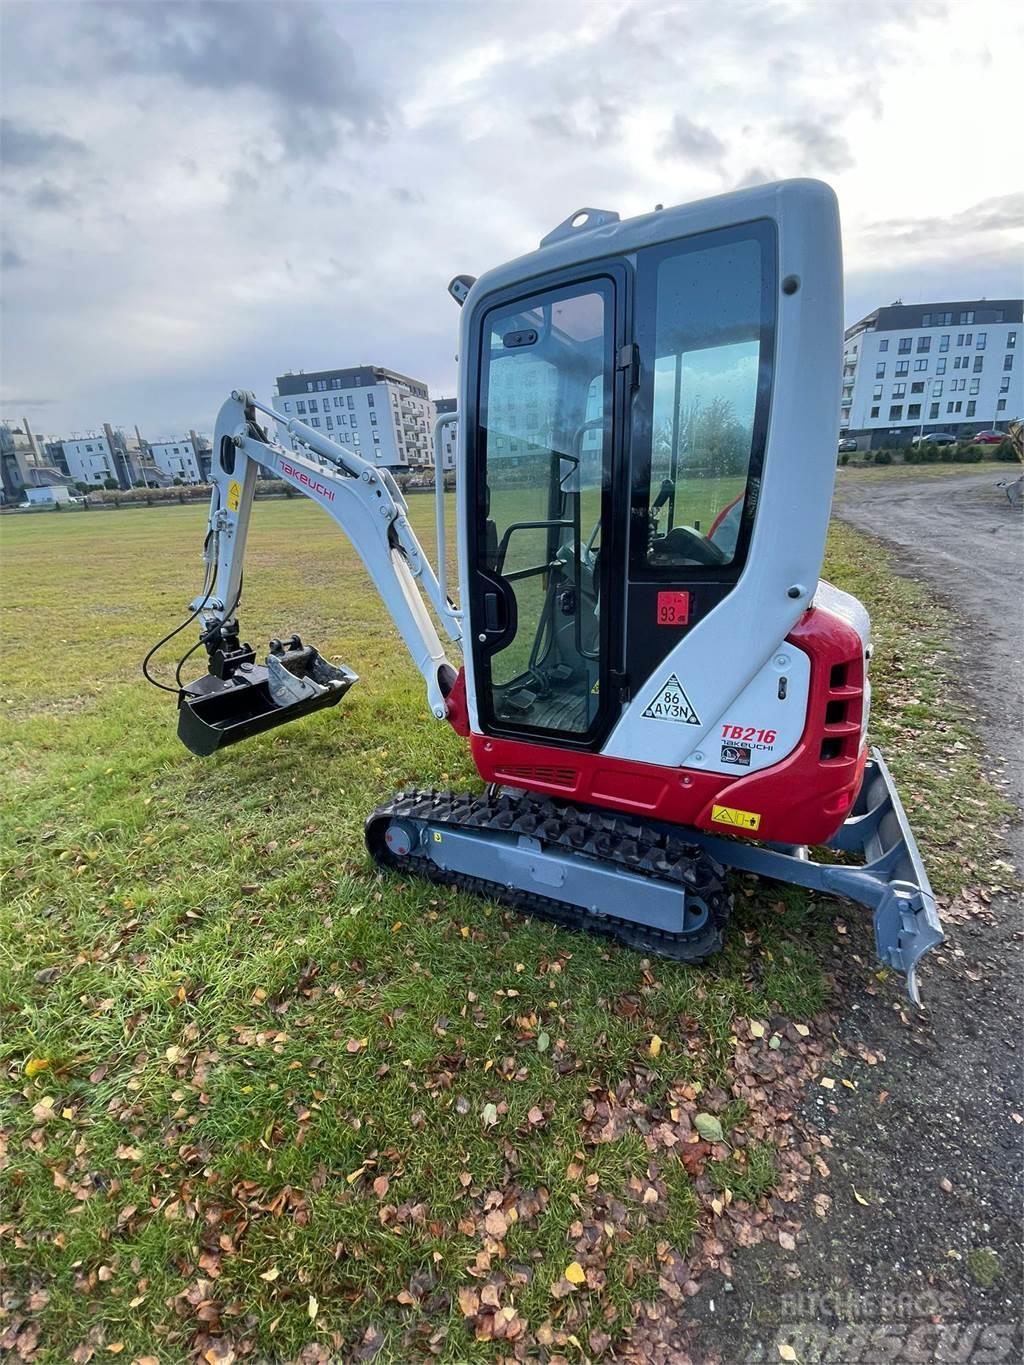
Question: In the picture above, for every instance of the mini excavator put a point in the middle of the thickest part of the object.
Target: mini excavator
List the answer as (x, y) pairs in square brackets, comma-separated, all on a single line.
[(654, 683)]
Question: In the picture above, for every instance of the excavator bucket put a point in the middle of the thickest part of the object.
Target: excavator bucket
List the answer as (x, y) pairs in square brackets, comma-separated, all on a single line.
[(215, 711)]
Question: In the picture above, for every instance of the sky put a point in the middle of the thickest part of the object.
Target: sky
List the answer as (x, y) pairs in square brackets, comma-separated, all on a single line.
[(201, 196)]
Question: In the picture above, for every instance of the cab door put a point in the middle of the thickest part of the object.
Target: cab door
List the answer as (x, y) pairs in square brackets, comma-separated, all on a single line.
[(543, 466)]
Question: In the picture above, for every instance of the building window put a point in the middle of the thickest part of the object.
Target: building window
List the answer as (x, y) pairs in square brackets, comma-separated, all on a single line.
[(979, 361), (924, 343), (917, 388), (286, 407), (905, 345), (883, 345), (369, 399), (312, 405), (902, 367), (913, 411), (1001, 405), (933, 412), (1007, 362), (926, 319), (338, 402), (920, 365), (975, 386), (899, 390), (874, 412), (970, 408), (329, 423), (936, 388), (1004, 384), (1000, 316), (876, 393), (300, 406), (351, 402), (944, 343), (967, 317), (880, 370), (896, 413), (309, 386), (1011, 340), (314, 421), (982, 339), (353, 420), (940, 365)]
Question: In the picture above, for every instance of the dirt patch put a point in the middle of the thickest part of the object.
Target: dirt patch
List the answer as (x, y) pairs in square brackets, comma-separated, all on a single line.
[(920, 1255)]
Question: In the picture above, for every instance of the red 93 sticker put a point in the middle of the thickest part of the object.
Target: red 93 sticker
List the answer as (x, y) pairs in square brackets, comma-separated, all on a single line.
[(673, 608)]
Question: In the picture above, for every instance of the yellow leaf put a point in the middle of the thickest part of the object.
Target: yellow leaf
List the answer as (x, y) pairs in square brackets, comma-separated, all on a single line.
[(786, 1351), (757, 1029), (354, 1175), (828, 1082), (35, 1065), (464, 931), (860, 1198), (849, 1084), (134, 1303), (575, 1273), (312, 1308), (803, 1030), (270, 1275), (655, 1047), (173, 1054)]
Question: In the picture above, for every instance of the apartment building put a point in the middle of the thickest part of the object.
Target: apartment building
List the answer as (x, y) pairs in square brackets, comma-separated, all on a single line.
[(88, 459), (178, 459), (385, 416), (450, 434), (911, 369)]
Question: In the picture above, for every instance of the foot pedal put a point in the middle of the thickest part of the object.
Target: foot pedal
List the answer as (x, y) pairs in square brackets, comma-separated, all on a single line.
[(295, 681), (518, 703)]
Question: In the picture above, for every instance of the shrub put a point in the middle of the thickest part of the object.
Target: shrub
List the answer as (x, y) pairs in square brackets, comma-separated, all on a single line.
[(844, 458), (1004, 451), (883, 457)]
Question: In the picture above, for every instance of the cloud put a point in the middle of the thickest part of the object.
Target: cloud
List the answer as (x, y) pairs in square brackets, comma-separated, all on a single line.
[(756, 175), (12, 259), (824, 149), (22, 145), (596, 122), (999, 214), (50, 198), (289, 53), (693, 141)]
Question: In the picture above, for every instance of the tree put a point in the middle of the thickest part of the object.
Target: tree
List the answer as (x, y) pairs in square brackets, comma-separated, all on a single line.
[(111, 485)]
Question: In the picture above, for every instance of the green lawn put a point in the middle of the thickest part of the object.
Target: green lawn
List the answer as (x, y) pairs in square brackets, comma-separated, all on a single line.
[(261, 1098)]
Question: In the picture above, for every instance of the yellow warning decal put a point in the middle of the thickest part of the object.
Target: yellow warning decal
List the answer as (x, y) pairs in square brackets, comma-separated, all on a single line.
[(740, 819), (234, 495), (437, 837)]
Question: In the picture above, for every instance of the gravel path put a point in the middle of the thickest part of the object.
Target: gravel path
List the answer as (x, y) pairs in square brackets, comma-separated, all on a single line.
[(930, 1269)]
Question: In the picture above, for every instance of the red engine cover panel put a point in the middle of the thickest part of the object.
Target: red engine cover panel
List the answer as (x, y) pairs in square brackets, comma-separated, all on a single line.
[(803, 799)]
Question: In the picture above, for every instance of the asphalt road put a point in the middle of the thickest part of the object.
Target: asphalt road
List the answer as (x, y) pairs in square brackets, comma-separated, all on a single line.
[(933, 1262)]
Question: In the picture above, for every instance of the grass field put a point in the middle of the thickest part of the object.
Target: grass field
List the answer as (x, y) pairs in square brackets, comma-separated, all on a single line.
[(262, 1101)]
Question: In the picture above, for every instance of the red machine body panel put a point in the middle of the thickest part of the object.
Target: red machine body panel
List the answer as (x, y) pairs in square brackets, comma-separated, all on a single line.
[(803, 799)]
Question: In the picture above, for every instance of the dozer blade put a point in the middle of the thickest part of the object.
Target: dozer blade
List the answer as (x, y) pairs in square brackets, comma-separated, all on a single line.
[(214, 712)]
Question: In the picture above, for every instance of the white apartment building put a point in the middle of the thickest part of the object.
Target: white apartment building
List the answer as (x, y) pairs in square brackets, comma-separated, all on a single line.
[(178, 459), (449, 434), (911, 369), (386, 417), (88, 459)]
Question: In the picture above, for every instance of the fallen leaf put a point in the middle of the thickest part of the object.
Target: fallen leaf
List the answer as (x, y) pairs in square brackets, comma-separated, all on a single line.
[(496, 1224), (173, 1054), (787, 1241), (312, 1308), (536, 1116), (543, 1041), (356, 1044), (575, 1273), (655, 1046), (489, 1113), (709, 1127), (469, 1301), (860, 1198), (35, 1065), (380, 1186), (757, 1029), (786, 1351), (270, 1275), (803, 1030), (828, 1083)]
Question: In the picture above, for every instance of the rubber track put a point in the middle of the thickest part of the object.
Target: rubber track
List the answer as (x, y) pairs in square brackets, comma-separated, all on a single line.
[(630, 844)]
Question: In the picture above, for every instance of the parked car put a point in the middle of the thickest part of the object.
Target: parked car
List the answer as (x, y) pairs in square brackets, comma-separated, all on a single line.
[(936, 438), (989, 438), (846, 445)]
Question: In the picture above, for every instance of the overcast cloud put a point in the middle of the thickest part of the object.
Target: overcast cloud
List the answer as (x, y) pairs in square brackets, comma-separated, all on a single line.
[(203, 195)]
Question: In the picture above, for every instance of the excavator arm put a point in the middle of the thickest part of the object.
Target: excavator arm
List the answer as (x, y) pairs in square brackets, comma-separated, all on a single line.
[(238, 696)]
